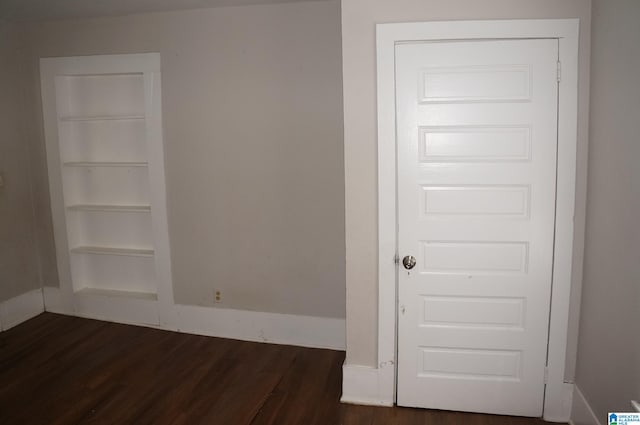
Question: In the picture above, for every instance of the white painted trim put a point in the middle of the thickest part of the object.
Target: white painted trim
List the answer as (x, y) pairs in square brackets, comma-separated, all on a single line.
[(558, 401), (54, 302), (102, 64), (387, 219), (155, 152), (48, 68), (582, 413), (273, 328), (102, 306), (20, 309), (114, 308), (557, 404), (365, 385)]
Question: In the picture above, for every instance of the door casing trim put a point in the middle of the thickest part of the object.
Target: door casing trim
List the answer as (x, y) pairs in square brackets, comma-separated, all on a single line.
[(558, 394)]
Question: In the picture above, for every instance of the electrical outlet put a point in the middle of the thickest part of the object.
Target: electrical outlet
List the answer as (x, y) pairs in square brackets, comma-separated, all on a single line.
[(217, 296)]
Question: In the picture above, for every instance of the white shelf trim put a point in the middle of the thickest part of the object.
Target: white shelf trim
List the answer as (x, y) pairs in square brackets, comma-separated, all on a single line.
[(107, 75), (105, 250), (104, 164), (110, 208), (102, 118)]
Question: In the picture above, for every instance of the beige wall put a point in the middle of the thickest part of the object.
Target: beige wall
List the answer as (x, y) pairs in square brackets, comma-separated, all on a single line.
[(253, 146), (358, 43), (19, 265), (608, 372)]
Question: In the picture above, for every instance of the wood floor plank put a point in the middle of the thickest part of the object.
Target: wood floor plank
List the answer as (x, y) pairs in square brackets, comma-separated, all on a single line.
[(62, 370)]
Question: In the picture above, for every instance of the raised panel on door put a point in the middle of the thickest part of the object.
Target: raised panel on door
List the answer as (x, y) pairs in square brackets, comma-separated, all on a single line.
[(476, 134)]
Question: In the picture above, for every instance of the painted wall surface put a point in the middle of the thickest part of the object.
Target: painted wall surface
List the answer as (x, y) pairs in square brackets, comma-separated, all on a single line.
[(358, 45), (19, 265), (608, 370), (252, 118)]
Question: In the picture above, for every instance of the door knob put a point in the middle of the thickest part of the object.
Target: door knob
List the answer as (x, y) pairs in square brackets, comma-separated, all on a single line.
[(409, 262)]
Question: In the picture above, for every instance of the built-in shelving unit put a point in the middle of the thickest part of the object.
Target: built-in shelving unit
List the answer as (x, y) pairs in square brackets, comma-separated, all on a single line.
[(103, 131)]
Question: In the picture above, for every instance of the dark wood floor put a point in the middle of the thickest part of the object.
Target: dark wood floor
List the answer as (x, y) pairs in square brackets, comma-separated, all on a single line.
[(64, 370)]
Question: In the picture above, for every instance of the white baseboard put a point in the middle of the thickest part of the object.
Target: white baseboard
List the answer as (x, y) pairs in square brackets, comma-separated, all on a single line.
[(366, 385), (119, 309), (20, 309), (53, 301), (558, 399), (582, 413), (273, 328), (99, 306)]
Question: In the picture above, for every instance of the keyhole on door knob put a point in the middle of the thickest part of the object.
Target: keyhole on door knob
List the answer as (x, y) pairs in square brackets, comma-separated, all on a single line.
[(409, 262)]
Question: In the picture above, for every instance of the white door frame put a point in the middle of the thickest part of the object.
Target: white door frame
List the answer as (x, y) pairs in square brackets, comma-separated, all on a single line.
[(558, 394)]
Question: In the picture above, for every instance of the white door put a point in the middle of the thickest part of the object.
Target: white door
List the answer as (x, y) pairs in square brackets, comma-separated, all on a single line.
[(476, 133)]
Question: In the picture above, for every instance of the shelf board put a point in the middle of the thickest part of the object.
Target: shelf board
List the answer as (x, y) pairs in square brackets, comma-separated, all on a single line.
[(104, 164), (105, 74), (102, 118), (104, 250), (117, 293), (110, 208)]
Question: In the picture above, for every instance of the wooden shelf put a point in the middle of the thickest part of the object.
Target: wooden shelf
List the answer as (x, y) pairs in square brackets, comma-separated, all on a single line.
[(117, 293), (110, 208), (104, 250), (103, 118), (104, 164)]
